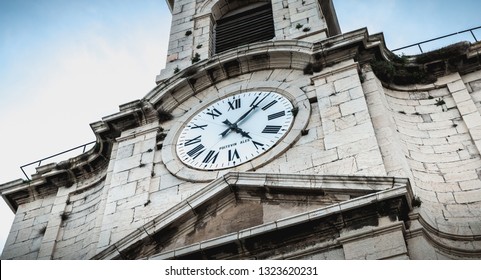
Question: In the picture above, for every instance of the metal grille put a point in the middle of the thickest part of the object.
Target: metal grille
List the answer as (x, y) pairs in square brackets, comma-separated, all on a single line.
[(247, 27)]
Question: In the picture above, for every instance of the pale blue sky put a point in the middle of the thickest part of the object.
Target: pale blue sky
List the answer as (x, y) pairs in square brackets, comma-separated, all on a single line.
[(65, 64)]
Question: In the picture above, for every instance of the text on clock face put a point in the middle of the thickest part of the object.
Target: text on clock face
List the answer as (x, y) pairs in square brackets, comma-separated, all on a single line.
[(234, 130)]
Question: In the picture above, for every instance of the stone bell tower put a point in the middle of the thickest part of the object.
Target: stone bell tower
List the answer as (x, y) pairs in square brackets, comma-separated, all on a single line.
[(271, 135), (202, 29)]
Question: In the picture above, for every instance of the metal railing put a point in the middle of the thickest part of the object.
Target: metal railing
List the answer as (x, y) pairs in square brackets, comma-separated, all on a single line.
[(438, 38), (39, 162)]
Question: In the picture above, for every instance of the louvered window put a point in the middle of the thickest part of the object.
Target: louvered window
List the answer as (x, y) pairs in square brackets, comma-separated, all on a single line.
[(245, 27)]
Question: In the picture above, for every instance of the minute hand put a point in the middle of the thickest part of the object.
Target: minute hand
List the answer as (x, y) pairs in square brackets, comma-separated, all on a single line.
[(250, 110)]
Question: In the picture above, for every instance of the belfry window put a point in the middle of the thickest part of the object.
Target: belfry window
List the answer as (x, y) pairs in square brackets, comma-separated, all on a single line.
[(249, 24)]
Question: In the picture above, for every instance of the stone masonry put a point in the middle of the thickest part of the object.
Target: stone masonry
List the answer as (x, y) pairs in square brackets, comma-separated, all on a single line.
[(368, 170)]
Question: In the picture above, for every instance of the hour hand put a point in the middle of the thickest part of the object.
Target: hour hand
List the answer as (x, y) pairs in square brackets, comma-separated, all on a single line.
[(235, 128), (225, 132)]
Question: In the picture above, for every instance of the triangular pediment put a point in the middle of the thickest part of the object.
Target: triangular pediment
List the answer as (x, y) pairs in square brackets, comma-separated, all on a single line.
[(247, 206)]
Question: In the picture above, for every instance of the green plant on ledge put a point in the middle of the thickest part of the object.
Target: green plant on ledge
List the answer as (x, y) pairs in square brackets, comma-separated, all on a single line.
[(440, 102), (445, 53), (399, 74), (416, 202), (196, 58)]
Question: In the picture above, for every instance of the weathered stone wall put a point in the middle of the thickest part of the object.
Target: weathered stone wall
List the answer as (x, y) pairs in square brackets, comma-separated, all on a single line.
[(437, 130), (131, 176), (430, 134), (351, 124), (76, 237), (193, 22), (62, 225), (340, 138), (28, 229), (353, 128)]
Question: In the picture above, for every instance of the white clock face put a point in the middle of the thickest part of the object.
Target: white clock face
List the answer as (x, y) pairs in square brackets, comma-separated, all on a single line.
[(234, 130)]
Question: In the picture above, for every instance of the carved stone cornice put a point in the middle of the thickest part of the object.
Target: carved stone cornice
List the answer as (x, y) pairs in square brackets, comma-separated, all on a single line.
[(361, 201)]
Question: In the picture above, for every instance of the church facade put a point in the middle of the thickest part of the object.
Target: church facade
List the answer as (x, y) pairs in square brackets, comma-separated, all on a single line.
[(271, 135)]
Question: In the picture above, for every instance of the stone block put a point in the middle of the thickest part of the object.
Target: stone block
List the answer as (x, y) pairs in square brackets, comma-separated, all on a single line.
[(420, 249), (121, 192), (23, 234), (330, 113), (119, 178), (468, 196), (353, 106), (323, 157), (434, 158), (324, 90), (472, 120), (448, 115), (368, 159), (362, 116), (369, 246), (345, 122), (413, 132), (461, 176), (442, 132), (347, 82), (425, 195), (475, 132), (349, 135), (470, 185), (339, 97), (132, 201), (356, 92), (125, 151), (104, 240), (456, 86), (127, 163), (467, 107), (142, 172), (22, 224), (345, 166), (445, 198)]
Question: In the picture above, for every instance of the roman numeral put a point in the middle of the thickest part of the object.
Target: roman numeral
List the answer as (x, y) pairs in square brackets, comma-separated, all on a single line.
[(272, 129), (235, 104), (214, 113), (233, 155), (195, 152), (192, 141), (257, 144), (276, 115), (211, 157), (198, 126), (269, 105)]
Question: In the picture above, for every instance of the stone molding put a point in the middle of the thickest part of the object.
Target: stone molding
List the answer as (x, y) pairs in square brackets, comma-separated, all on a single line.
[(370, 190)]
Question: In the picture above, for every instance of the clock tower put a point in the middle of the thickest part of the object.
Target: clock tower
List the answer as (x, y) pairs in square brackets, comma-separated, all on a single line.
[(271, 135)]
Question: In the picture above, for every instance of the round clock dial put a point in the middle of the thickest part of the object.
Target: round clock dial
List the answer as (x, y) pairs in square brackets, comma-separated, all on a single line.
[(234, 130)]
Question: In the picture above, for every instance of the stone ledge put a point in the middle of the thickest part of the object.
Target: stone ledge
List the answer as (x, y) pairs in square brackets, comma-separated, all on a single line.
[(392, 188)]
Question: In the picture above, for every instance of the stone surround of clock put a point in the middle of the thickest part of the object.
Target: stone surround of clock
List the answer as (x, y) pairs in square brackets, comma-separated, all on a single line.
[(192, 169)]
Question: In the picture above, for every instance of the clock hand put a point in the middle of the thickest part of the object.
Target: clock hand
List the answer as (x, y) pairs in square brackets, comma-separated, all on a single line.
[(250, 110), (225, 132), (235, 128)]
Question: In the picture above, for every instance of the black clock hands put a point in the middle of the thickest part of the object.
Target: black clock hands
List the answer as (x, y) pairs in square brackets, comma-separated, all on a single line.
[(234, 126), (251, 109)]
